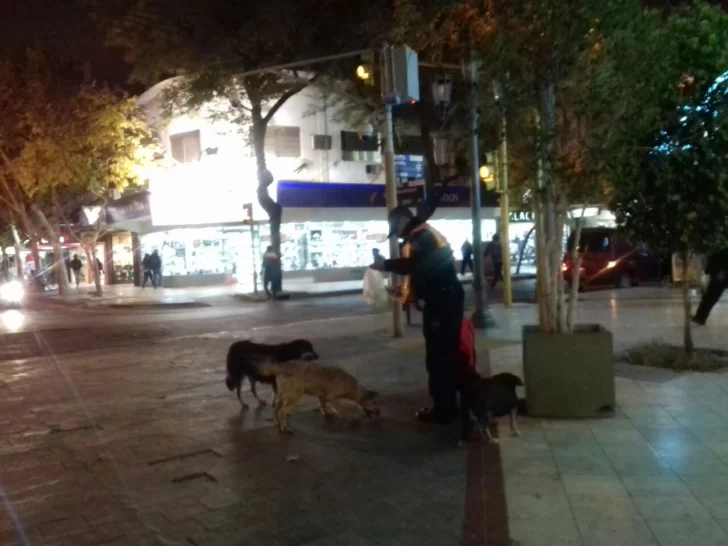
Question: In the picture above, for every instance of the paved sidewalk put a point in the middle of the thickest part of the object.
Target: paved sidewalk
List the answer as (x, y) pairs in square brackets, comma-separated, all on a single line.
[(146, 446), (121, 296)]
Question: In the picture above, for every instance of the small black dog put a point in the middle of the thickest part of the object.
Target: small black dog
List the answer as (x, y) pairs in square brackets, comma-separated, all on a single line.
[(243, 356), (487, 398)]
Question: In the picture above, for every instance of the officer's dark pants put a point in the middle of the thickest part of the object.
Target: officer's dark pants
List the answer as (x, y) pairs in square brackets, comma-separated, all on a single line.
[(441, 328), (713, 292)]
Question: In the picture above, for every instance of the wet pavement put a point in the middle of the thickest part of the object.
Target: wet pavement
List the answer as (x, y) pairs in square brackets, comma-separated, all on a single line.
[(142, 444)]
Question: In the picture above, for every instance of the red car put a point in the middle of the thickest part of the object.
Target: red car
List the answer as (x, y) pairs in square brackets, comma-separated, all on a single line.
[(609, 259)]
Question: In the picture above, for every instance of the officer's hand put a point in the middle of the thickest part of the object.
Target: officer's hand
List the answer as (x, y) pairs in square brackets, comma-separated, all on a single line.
[(377, 266)]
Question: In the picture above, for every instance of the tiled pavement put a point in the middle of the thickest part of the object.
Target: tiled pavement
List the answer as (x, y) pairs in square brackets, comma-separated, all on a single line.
[(147, 447)]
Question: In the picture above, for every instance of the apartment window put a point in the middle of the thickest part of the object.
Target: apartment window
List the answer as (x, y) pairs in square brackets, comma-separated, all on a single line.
[(355, 148), (283, 141), (186, 146), (409, 145), (444, 150)]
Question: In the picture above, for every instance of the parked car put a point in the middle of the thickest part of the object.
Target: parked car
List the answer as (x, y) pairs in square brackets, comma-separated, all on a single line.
[(608, 258)]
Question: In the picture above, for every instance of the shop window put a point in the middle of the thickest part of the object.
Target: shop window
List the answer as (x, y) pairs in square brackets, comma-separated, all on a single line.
[(186, 146), (283, 141), (355, 148)]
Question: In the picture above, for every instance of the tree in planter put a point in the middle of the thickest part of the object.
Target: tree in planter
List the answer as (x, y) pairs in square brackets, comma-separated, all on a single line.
[(212, 45)]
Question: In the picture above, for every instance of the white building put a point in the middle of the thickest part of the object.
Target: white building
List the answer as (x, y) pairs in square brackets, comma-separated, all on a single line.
[(329, 181)]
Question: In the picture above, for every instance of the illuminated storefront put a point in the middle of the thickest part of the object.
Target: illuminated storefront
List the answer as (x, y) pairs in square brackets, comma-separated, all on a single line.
[(328, 232)]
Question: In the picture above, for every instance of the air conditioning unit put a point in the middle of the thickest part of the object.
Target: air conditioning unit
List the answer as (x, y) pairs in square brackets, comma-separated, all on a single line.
[(321, 142), (374, 169)]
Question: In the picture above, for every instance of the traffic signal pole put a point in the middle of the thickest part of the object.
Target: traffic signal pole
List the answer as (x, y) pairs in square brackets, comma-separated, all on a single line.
[(390, 183)]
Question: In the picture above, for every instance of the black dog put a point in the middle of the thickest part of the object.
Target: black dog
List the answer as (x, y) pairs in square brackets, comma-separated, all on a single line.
[(487, 398), (243, 356)]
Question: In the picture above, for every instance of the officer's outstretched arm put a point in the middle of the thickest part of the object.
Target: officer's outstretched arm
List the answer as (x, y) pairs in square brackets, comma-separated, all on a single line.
[(400, 266)]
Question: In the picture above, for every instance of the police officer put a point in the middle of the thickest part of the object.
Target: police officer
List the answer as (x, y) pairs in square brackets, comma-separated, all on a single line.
[(428, 265)]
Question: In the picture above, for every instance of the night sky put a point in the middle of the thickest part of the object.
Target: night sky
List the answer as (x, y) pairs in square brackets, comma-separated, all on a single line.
[(66, 28)]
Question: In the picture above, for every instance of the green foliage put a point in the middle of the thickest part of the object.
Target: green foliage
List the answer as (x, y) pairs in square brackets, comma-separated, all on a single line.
[(680, 202), (675, 200), (66, 136)]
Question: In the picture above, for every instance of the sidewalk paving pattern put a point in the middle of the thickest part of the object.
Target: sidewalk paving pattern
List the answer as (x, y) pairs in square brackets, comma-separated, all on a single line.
[(146, 446)]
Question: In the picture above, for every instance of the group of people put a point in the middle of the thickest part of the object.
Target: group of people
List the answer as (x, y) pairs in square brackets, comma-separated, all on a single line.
[(74, 268), (152, 266), (493, 249)]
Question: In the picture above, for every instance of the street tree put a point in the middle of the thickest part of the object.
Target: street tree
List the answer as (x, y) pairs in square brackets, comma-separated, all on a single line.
[(543, 57), (72, 140), (212, 46), (673, 192)]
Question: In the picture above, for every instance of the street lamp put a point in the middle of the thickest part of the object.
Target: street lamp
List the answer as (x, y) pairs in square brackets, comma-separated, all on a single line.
[(442, 93)]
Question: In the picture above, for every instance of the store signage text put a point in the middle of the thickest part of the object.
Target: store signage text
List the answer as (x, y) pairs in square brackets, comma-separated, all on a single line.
[(522, 216)]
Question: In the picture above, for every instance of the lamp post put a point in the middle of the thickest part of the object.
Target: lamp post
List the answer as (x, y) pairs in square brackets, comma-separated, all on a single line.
[(482, 317), (502, 177)]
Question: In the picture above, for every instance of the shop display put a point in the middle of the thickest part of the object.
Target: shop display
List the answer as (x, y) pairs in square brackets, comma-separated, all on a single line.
[(122, 258), (331, 245)]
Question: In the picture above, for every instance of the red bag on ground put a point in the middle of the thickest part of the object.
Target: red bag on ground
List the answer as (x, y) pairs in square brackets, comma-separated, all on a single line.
[(466, 359)]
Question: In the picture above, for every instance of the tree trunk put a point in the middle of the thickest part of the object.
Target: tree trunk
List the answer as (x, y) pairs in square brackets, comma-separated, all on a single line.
[(6, 264), (549, 214), (687, 311), (265, 179), (523, 249), (91, 257), (18, 249), (575, 275), (59, 265), (36, 256)]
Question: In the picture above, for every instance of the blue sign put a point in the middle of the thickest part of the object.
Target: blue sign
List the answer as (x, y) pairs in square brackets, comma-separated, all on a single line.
[(331, 195), (408, 168)]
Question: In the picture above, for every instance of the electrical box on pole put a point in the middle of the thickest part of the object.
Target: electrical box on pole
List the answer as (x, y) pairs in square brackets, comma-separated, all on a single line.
[(405, 74)]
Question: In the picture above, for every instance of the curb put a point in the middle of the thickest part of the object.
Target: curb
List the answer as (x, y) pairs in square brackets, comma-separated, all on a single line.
[(257, 298)]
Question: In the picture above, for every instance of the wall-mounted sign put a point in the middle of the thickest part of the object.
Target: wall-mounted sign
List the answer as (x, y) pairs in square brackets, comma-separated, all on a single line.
[(520, 217)]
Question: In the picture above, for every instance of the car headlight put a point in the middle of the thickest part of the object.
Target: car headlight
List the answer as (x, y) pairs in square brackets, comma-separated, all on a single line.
[(12, 291)]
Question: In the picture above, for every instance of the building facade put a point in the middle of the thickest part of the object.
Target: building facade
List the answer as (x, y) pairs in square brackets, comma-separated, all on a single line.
[(329, 180)]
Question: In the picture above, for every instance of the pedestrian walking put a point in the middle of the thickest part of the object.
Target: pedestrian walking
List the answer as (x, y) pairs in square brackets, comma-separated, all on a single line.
[(76, 267), (155, 263), (271, 272), (428, 265), (377, 255), (717, 269), (495, 251), (467, 252), (147, 268)]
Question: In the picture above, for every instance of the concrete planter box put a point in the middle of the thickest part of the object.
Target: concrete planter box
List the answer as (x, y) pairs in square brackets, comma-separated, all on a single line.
[(569, 375)]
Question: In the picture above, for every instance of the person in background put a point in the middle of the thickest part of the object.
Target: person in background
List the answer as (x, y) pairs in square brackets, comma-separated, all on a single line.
[(377, 255), (76, 266), (467, 252), (271, 272), (717, 269), (495, 251), (428, 265), (155, 264), (147, 268)]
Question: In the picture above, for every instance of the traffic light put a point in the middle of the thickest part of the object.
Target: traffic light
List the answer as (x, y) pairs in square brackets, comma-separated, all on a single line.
[(365, 70)]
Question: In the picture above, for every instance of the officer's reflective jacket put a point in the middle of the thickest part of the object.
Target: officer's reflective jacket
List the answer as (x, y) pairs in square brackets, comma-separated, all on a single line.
[(427, 264)]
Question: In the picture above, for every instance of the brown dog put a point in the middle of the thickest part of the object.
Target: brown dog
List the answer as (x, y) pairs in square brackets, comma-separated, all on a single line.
[(329, 384)]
